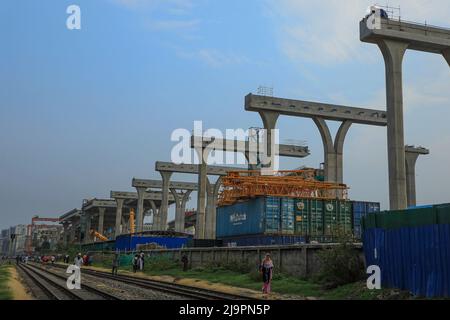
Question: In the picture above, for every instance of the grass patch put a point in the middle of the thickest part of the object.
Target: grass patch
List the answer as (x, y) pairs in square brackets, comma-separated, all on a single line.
[(237, 275), (5, 293)]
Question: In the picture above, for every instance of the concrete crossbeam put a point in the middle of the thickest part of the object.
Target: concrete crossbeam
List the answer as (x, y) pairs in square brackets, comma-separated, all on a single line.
[(194, 168), (307, 109), (285, 150), (149, 195), (158, 184)]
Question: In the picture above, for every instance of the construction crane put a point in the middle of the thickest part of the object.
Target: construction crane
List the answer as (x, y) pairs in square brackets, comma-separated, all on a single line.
[(31, 227), (99, 235), (132, 224), (242, 185)]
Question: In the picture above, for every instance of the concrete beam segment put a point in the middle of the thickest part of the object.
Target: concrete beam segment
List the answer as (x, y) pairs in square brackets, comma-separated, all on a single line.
[(74, 213), (285, 150), (393, 53), (411, 156), (95, 203), (194, 168), (418, 37), (158, 184), (307, 109), (165, 199), (149, 195), (119, 209)]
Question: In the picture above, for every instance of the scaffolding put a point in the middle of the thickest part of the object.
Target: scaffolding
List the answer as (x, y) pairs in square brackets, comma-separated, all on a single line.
[(244, 185)]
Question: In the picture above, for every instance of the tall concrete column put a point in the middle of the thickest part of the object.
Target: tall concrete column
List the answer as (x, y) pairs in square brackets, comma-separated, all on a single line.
[(101, 219), (165, 199), (140, 209), (119, 210), (411, 159), (339, 149), (202, 189), (210, 221), (446, 54), (328, 148), (269, 120), (180, 202), (72, 233), (65, 233), (393, 53), (156, 219), (87, 233)]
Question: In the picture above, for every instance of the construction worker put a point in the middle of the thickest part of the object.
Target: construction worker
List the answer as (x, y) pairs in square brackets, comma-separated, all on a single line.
[(78, 261), (135, 263), (184, 260)]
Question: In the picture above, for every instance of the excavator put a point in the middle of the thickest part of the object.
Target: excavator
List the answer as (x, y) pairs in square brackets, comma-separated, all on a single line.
[(99, 235)]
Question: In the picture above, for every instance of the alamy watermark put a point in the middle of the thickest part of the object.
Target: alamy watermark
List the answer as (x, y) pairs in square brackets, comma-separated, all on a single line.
[(374, 279), (259, 146), (74, 280), (73, 22), (374, 19)]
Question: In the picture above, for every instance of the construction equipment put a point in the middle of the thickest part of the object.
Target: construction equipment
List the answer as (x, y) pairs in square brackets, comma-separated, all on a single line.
[(31, 227), (242, 185), (99, 235), (132, 223)]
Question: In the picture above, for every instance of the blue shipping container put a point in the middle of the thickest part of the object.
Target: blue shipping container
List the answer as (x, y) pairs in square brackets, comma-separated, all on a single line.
[(256, 216), (262, 240), (359, 210), (287, 216)]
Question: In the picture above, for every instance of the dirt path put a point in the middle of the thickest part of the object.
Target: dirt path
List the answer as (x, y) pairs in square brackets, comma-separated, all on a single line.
[(17, 288)]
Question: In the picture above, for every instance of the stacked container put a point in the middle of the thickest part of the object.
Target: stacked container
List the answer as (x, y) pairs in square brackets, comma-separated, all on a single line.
[(287, 216), (360, 209), (272, 215)]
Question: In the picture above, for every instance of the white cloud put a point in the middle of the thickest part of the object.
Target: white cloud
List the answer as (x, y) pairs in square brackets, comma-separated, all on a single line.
[(327, 31), (212, 57)]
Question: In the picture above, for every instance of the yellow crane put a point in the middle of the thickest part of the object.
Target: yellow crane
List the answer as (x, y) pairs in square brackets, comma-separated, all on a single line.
[(132, 224)]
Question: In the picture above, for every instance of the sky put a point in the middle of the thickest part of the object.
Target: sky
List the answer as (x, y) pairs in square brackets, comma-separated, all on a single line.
[(82, 112)]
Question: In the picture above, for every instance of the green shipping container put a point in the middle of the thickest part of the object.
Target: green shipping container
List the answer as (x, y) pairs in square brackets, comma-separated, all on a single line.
[(309, 217), (345, 217), (331, 210)]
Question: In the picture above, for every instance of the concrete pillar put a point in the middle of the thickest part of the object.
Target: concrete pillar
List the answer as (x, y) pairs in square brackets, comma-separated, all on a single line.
[(209, 210), (140, 209), (156, 218), (339, 149), (202, 190), (87, 233), (101, 219), (446, 54), (163, 212), (72, 232), (328, 148), (65, 234), (411, 159), (393, 53), (269, 120), (119, 210), (180, 201)]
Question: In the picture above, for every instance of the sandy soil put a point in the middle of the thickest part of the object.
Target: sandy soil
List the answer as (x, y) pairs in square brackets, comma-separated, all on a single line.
[(18, 289)]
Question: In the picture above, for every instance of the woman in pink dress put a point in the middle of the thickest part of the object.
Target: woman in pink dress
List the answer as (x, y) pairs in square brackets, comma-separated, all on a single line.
[(266, 270)]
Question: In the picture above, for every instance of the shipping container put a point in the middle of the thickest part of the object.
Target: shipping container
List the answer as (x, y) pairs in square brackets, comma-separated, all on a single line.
[(256, 216), (262, 240), (331, 208), (359, 210), (287, 216)]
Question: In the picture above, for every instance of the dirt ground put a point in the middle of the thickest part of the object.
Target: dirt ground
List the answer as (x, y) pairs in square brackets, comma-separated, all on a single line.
[(18, 289)]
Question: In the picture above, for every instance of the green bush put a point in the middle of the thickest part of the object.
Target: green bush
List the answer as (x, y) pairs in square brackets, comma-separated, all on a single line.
[(160, 263), (340, 264)]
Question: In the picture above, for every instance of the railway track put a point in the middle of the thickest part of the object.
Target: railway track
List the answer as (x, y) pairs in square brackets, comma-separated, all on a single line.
[(172, 288), (54, 287)]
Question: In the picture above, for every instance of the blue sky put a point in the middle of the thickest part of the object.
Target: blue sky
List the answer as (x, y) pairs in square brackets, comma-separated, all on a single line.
[(84, 111)]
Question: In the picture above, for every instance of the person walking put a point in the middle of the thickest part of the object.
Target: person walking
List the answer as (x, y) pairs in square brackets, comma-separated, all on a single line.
[(184, 260), (78, 261), (135, 262), (115, 264), (266, 270), (141, 261)]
